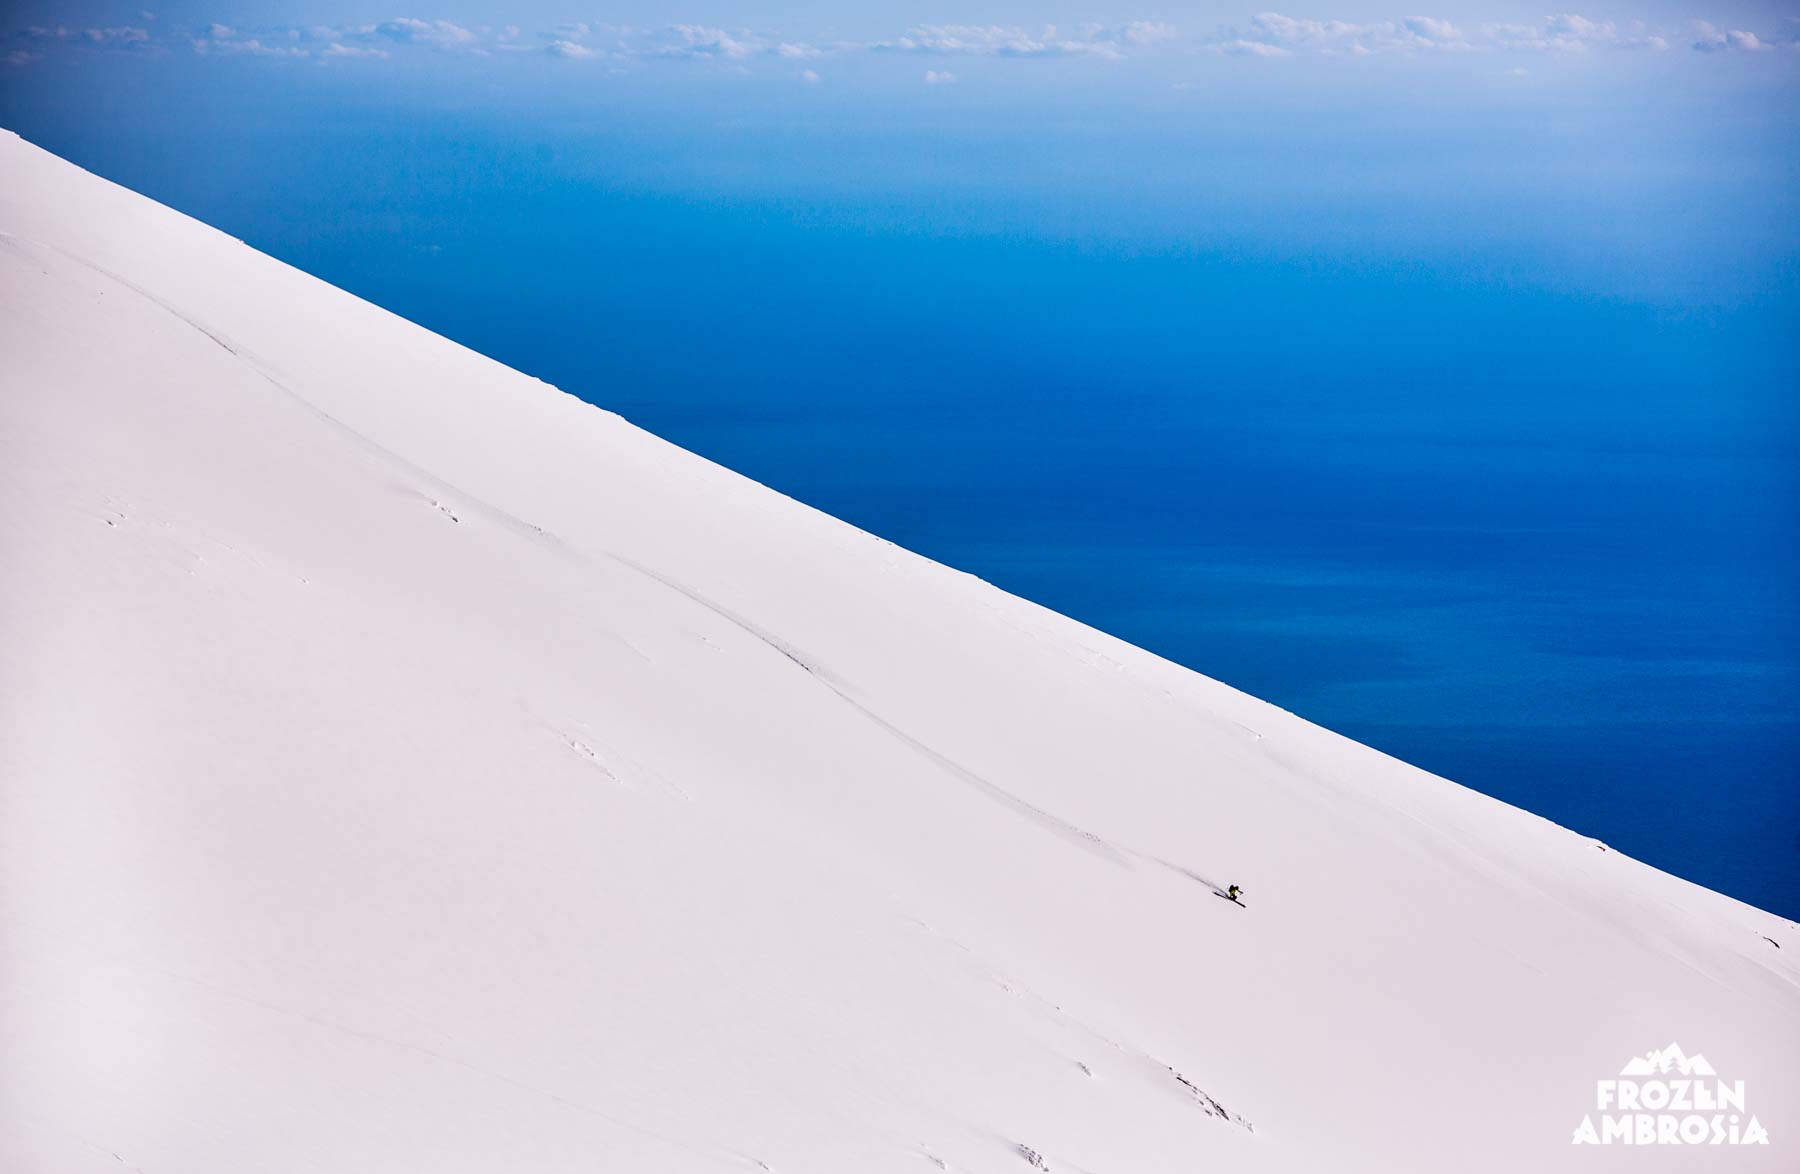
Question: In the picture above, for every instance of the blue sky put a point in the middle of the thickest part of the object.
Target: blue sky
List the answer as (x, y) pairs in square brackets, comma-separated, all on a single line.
[(1642, 152), (1640, 149), (809, 39)]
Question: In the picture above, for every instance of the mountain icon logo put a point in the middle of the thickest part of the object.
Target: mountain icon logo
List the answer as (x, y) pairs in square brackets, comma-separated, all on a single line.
[(1667, 1097), (1666, 1060)]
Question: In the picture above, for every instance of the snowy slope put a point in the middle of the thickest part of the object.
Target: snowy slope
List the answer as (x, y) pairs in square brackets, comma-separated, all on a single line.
[(408, 767)]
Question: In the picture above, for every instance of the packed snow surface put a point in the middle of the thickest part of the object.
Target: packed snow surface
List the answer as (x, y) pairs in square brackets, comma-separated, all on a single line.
[(406, 766)]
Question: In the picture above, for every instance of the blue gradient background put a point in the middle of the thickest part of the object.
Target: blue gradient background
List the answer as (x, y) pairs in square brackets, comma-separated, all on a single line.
[(1452, 410)]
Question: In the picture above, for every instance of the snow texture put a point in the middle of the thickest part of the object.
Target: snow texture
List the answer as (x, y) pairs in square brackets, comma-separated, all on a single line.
[(405, 766)]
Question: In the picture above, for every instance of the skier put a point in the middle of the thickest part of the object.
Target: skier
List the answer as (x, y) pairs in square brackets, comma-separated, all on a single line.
[(1233, 892)]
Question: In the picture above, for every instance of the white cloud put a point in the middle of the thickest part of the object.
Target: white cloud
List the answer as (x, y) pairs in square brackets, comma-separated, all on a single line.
[(694, 40), (705, 42), (1339, 37), (1708, 39), (1275, 27), (225, 42), (1269, 34), (1433, 29), (998, 41), (936, 77), (1148, 32), (809, 76), (1244, 48), (1571, 33), (407, 30), (1562, 33), (367, 41), (116, 36)]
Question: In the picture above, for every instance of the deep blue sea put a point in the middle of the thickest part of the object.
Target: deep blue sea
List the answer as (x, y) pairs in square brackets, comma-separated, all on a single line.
[(1491, 507)]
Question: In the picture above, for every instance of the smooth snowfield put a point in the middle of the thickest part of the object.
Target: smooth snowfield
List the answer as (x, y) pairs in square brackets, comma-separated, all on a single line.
[(406, 766)]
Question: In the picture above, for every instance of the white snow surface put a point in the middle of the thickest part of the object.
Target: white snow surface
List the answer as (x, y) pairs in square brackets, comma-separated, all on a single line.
[(406, 766)]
